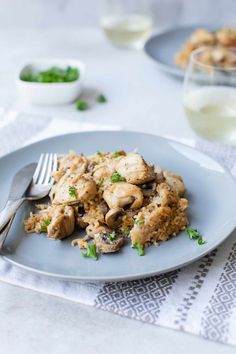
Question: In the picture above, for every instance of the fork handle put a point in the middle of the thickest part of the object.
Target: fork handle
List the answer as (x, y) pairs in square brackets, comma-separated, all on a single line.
[(9, 210), (4, 232)]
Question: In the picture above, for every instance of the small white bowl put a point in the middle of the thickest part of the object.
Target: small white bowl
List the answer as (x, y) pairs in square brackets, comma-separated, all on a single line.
[(50, 93)]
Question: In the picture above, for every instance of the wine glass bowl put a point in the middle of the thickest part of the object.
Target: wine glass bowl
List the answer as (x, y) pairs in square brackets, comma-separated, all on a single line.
[(210, 93), (126, 23)]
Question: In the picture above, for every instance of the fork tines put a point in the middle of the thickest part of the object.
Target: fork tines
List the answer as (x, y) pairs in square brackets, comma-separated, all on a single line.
[(46, 165)]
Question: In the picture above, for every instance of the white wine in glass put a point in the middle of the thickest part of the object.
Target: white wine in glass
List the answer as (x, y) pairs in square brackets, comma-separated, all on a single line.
[(210, 99), (127, 23)]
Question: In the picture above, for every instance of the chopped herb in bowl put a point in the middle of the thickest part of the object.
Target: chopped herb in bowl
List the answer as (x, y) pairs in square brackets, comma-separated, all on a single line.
[(52, 75)]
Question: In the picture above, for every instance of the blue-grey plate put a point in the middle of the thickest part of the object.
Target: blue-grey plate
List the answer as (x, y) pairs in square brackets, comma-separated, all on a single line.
[(163, 46), (212, 210)]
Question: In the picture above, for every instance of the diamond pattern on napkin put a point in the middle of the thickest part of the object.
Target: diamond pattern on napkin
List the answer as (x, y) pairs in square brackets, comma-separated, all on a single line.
[(215, 322), (140, 299)]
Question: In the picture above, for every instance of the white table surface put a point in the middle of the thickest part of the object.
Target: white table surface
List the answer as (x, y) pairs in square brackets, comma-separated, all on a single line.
[(139, 98)]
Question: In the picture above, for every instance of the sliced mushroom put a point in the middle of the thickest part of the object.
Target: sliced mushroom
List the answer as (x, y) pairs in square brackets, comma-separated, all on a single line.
[(114, 217), (148, 188), (122, 194), (105, 244)]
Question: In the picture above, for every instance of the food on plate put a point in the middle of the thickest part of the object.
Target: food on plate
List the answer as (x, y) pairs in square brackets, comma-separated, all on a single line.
[(217, 41), (113, 197), (51, 75)]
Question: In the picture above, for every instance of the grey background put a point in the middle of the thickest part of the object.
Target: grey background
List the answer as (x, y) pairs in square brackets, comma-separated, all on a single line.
[(74, 13)]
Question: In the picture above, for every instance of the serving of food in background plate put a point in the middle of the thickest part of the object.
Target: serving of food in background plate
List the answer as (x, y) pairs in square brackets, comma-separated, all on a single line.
[(171, 49), (217, 41), (101, 202)]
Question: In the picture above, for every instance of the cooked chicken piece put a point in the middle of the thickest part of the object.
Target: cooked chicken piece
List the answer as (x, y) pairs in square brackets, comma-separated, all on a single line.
[(122, 194), (148, 221), (62, 223), (104, 169), (72, 159), (74, 188), (58, 175), (165, 216), (227, 37), (175, 182), (165, 195), (202, 36), (108, 241), (76, 163), (134, 169)]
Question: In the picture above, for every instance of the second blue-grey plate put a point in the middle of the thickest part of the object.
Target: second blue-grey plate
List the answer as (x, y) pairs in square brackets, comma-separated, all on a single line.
[(163, 46), (212, 210)]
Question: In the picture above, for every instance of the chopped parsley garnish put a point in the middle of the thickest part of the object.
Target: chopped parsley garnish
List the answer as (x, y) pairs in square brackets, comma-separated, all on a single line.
[(43, 228), (101, 98), (91, 252), (115, 154), (139, 222), (126, 230), (116, 177), (81, 105), (47, 222), (139, 247), (52, 75), (112, 236), (193, 234), (72, 192), (100, 182)]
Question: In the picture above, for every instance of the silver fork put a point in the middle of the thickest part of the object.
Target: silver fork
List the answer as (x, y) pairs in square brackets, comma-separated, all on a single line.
[(40, 186)]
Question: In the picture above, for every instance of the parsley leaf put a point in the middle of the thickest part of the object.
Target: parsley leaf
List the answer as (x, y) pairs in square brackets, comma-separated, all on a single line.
[(47, 221), (81, 105), (101, 98), (43, 228), (91, 252), (52, 75), (100, 182), (200, 241), (193, 234), (116, 177), (126, 230), (139, 247), (139, 222), (99, 153), (115, 154), (72, 192), (112, 236)]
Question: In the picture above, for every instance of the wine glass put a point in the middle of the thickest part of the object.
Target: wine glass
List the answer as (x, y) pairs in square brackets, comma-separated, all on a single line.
[(126, 23), (210, 93)]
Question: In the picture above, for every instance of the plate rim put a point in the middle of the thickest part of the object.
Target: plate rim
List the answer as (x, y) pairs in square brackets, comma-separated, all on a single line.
[(120, 277)]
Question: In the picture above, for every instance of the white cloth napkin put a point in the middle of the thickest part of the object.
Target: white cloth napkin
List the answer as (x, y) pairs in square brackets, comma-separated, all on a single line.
[(199, 298)]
